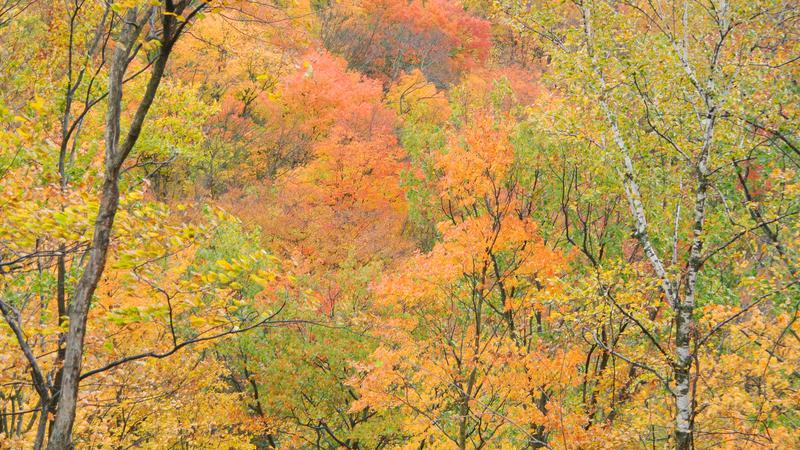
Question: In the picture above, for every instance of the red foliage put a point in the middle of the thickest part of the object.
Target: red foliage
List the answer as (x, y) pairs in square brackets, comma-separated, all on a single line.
[(387, 37)]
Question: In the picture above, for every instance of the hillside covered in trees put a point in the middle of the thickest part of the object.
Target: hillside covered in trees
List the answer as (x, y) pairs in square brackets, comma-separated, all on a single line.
[(399, 224)]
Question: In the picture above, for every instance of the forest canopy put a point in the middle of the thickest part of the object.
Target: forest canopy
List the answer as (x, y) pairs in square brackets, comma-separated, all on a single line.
[(399, 224)]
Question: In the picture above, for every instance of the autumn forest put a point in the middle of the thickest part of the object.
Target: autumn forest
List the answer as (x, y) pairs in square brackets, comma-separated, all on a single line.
[(399, 224)]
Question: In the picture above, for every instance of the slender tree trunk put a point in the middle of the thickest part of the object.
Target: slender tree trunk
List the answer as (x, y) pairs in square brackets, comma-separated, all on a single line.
[(67, 394), (683, 393), (684, 322), (61, 431)]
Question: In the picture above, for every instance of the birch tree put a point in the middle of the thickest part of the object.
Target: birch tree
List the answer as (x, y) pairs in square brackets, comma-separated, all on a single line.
[(667, 94)]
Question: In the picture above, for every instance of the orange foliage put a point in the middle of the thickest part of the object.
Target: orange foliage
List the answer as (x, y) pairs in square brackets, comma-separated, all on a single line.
[(347, 199)]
